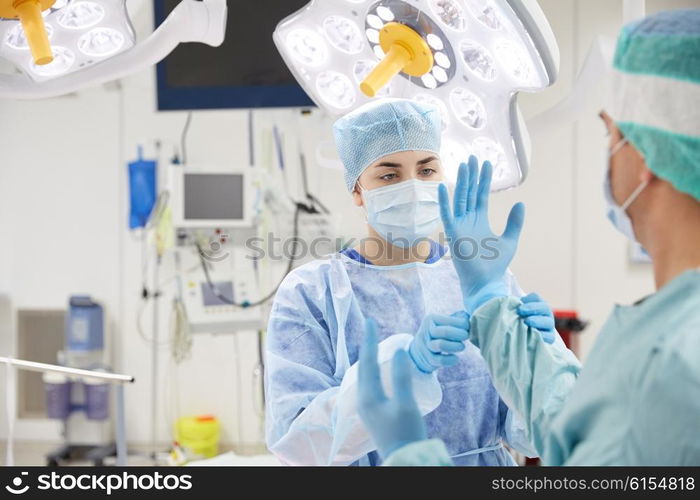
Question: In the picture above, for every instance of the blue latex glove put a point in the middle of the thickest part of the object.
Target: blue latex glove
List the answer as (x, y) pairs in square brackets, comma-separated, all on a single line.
[(481, 275), (537, 314), (392, 422), (437, 342)]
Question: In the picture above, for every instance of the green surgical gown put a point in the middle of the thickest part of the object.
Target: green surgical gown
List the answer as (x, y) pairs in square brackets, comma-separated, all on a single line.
[(636, 401)]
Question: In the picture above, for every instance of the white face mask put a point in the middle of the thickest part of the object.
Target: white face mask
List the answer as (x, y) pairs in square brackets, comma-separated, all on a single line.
[(403, 213), (618, 213)]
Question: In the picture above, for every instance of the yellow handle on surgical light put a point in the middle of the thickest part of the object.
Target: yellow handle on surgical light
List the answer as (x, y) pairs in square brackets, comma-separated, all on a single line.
[(29, 14), (406, 51)]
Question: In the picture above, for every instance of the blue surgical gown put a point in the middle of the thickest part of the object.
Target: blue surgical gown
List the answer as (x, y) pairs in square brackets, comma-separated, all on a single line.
[(314, 334), (636, 402)]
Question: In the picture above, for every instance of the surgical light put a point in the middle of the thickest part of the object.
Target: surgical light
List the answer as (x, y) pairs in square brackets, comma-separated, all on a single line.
[(63, 60), (516, 63), (468, 108), (372, 35), (450, 12), (29, 14), (488, 150), (436, 103), (336, 89), (478, 59), (101, 42), (76, 43), (468, 58), (83, 32), (362, 69), (80, 15), (16, 39), (307, 47), (485, 13), (435, 41), (343, 34)]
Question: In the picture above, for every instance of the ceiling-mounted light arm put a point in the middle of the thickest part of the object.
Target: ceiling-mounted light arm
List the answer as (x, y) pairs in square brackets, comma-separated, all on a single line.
[(190, 21), (587, 91), (590, 87)]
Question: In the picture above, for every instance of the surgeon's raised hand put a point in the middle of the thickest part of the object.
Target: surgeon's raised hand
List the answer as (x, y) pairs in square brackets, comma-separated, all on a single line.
[(468, 230), (394, 421), (437, 342)]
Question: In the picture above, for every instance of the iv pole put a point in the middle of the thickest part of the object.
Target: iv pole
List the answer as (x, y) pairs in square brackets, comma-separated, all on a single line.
[(113, 378)]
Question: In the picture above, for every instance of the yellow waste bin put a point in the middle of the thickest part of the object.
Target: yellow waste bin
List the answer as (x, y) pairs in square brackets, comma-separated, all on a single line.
[(200, 434)]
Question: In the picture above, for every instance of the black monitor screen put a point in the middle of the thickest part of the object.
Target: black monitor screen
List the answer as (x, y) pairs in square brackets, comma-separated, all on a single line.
[(213, 197), (245, 71)]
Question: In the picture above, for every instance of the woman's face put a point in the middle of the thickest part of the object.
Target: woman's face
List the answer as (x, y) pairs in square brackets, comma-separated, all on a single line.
[(399, 167)]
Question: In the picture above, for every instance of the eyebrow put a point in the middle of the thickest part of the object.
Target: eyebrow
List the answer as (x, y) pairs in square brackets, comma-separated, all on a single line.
[(427, 160), (398, 165)]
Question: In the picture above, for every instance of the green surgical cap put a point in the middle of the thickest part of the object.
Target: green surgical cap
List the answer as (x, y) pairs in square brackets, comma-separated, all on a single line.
[(657, 94)]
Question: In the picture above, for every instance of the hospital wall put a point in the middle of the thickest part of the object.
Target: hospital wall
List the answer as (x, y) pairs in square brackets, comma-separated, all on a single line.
[(63, 206)]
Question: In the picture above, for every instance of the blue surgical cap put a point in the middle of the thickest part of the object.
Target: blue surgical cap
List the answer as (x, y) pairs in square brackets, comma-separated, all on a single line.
[(381, 128), (657, 94)]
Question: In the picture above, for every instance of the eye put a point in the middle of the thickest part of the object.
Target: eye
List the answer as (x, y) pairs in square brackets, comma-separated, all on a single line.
[(427, 172), (389, 177)]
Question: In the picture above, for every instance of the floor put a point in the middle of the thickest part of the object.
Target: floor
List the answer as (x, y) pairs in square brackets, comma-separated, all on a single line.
[(27, 453)]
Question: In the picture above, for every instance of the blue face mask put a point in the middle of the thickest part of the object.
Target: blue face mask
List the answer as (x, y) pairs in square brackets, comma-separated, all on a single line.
[(617, 214), (403, 213)]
